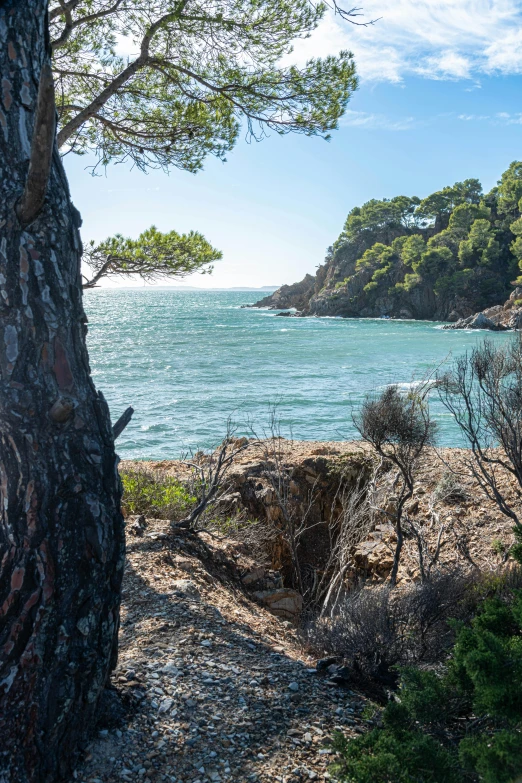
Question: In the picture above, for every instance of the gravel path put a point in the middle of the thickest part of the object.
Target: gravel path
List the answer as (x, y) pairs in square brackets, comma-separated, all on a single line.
[(219, 689)]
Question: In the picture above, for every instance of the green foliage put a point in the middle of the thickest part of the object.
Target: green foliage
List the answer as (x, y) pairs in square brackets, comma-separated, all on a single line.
[(422, 736), (455, 242), (498, 546), (375, 256), (509, 190), (457, 283), (496, 759), (516, 549), (434, 263), (444, 201), (463, 216), (152, 255), (199, 71), (412, 250), (380, 221), (481, 247), (409, 283), (487, 659), (154, 494), (394, 755)]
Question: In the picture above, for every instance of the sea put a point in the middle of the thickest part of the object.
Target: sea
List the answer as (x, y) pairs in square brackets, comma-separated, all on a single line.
[(192, 363)]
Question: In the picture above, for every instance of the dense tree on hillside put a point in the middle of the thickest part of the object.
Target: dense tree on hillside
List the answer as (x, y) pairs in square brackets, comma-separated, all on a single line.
[(195, 71), (454, 243)]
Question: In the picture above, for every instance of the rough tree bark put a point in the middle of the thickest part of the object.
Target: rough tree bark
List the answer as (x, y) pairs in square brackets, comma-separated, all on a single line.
[(61, 530)]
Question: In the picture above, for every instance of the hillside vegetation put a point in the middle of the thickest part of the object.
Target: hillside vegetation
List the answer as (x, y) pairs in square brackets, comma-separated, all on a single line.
[(443, 257)]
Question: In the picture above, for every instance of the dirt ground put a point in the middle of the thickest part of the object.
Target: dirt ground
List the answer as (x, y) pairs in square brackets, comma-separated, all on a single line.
[(218, 688)]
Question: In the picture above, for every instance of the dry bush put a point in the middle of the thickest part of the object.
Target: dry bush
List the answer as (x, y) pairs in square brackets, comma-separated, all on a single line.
[(450, 490), (399, 429), (378, 628), (483, 392)]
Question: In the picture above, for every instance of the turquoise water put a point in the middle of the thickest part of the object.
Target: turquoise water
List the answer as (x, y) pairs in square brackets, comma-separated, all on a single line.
[(186, 361)]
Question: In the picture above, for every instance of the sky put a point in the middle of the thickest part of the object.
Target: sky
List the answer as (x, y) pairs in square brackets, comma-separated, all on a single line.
[(439, 101)]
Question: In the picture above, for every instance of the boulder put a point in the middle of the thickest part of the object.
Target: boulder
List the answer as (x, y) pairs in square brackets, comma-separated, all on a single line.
[(285, 602), (479, 321)]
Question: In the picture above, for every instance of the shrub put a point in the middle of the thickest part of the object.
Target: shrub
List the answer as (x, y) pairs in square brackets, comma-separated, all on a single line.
[(399, 428), (449, 489), (468, 720), (496, 759), (376, 629), (155, 494), (394, 755), (498, 546)]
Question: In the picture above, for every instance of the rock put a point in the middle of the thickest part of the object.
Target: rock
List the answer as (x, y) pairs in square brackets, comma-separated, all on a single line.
[(284, 602), (295, 295), (324, 663), (137, 525), (492, 319), (255, 575), (342, 676), (186, 586), (375, 556), (294, 686)]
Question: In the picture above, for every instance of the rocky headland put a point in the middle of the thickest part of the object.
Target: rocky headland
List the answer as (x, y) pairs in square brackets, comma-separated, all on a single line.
[(447, 257)]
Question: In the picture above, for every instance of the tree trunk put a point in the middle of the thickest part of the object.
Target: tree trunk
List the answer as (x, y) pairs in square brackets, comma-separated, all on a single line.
[(61, 529)]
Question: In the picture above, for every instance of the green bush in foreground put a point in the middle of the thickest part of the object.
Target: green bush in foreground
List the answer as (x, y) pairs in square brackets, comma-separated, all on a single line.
[(154, 494), (463, 725)]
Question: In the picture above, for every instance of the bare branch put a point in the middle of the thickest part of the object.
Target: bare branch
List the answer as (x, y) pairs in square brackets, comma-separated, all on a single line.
[(122, 422)]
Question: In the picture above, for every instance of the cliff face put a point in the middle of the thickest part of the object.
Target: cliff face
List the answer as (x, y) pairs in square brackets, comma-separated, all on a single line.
[(297, 295), (338, 289)]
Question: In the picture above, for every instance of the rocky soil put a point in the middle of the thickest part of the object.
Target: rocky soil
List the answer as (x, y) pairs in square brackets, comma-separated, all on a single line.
[(473, 529), (216, 687)]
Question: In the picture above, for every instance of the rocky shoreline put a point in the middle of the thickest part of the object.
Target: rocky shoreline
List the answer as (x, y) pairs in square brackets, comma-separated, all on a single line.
[(498, 318)]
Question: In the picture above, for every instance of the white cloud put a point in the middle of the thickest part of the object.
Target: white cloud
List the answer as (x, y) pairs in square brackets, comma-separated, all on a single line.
[(362, 119), (436, 39), (500, 118), (447, 65)]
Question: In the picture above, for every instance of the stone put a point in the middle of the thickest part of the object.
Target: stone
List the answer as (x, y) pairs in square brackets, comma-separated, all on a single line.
[(323, 663), (255, 575), (294, 686), (186, 586), (375, 556), (480, 321), (284, 602)]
